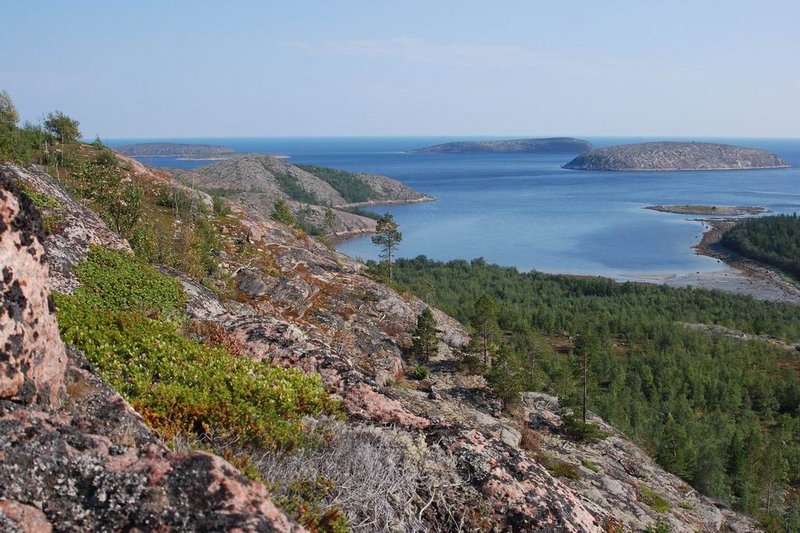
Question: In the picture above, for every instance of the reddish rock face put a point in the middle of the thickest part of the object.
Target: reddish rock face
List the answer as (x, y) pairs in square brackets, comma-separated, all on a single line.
[(32, 356)]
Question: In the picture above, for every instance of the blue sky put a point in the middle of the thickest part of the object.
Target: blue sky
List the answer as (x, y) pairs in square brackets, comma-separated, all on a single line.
[(722, 68)]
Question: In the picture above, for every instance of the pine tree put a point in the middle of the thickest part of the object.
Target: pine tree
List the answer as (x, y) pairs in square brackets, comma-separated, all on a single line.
[(64, 128), (509, 374), (426, 342), (485, 324), (387, 237), (8, 112)]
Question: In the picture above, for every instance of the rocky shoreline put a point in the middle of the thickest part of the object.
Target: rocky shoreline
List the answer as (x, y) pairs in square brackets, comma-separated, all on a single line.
[(745, 275)]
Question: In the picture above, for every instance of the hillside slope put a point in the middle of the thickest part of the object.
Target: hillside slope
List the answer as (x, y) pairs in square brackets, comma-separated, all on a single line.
[(452, 458), (664, 156)]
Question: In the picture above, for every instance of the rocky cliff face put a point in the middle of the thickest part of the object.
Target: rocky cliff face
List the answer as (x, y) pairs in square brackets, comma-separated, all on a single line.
[(436, 454), (675, 156), (74, 456)]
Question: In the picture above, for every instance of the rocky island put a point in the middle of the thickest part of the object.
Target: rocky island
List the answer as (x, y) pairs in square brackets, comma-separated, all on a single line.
[(553, 145), (174, 150), (665, 156)]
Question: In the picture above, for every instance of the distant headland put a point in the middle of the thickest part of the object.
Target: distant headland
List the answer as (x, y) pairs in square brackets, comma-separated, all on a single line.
[(553, 145), (174, 150), (715, 210), (665, 156)]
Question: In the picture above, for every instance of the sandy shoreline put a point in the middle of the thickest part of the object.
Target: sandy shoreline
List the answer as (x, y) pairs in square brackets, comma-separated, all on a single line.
[(744, 276)]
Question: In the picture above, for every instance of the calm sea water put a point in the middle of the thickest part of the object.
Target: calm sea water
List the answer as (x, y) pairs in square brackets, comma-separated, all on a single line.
[(526, 211)]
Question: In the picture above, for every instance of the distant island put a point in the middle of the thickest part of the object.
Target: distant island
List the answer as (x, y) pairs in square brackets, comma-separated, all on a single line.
[(665, 156), (720, 210), (554, 145), (174, 150)]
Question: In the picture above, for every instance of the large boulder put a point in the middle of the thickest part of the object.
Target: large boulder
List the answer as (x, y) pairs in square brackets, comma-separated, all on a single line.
[(32, 356)]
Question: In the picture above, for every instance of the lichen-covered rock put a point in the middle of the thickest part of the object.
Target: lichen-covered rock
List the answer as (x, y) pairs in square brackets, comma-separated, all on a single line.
[(74, 455), (78, 227), (55, 474), (32, 356)]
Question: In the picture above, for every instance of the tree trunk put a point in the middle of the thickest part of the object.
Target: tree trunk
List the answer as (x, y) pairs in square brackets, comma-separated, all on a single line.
[(584, 386)]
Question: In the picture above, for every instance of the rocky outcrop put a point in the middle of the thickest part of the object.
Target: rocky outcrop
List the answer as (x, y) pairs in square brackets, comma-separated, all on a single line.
[(77, 227), (553, 145), (32, 356), (256, 182), (74, 456), (662, 156)]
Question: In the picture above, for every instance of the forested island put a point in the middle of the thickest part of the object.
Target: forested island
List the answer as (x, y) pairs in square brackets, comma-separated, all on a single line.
[(174, 150), (666, 156), (552, 145)]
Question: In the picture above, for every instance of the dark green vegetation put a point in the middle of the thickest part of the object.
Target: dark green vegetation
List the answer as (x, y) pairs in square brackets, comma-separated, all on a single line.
[(292, 187), (774, 241), (348, 184), (724, 415)]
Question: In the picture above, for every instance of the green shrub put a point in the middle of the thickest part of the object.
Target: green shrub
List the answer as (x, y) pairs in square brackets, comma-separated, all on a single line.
[(472, 364), (590, 465), (419, 372), (281, 213), (116, 281), (659, 527), (182, 387), (174, 199), (125, 316), (220, 206), (652, 499), (305, 500), (559, 468), (38, 199), (581, 431)]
